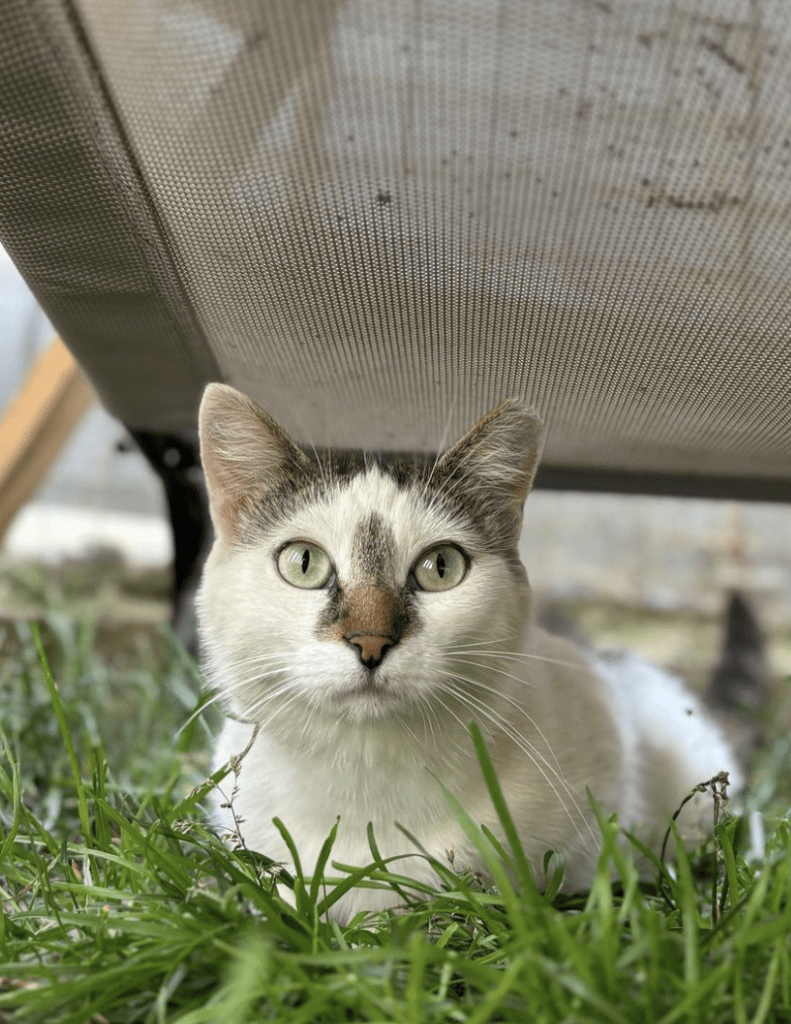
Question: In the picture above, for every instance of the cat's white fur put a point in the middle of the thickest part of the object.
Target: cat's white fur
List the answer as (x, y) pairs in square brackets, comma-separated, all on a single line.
[(557, 719)]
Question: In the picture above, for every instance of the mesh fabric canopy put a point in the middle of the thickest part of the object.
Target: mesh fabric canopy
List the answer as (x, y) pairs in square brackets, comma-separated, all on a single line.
[(380, 217)]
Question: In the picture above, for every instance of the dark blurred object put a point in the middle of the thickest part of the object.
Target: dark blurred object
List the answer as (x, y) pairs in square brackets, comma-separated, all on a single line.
[(176, 460), (739, 680), (738, 689), (555, 620)]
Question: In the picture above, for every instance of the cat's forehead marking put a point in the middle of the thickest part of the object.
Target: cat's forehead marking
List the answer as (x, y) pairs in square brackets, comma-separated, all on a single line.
[(374, 548)]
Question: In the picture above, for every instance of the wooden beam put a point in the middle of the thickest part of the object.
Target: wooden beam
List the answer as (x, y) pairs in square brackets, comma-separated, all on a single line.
[(36, 423)]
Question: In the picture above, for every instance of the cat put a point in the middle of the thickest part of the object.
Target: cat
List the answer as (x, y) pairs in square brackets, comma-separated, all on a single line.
[(357, 612)]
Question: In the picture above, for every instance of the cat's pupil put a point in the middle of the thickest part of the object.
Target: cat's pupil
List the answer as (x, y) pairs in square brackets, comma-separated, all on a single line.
[(441, 565), (305, 560)]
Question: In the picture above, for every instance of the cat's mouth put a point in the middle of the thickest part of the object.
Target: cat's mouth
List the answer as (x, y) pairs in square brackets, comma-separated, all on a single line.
[(368, 692), (369, 683)]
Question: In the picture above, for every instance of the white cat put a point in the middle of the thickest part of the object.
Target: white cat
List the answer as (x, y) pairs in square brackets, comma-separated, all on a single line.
[(359, 613)]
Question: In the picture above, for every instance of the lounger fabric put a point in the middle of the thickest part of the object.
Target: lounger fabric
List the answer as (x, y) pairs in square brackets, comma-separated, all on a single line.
[(380, 217)]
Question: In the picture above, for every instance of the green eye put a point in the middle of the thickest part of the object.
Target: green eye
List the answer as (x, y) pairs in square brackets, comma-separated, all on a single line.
[(304, 565), (440, 568)]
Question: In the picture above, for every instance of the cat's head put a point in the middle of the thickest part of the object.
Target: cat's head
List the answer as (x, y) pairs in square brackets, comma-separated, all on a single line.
[(358, 586)]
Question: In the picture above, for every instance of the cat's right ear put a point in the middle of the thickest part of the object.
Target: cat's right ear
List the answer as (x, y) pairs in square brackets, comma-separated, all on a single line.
[(494, 464), (245, 454)]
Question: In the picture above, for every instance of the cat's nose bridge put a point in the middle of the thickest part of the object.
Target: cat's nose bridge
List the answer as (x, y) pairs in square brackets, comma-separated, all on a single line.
[(373, 622), (372, 611)]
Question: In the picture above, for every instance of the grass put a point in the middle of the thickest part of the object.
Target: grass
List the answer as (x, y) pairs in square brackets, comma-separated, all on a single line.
[(119, 905)]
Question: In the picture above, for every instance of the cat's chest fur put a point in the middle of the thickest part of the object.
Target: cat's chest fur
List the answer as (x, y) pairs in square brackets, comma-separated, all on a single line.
[(395, 782), (359, 616), (391, 772)]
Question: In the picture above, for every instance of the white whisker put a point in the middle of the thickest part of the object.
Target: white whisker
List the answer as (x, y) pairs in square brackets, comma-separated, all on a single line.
[(510, 700), (537, 758), (517, 736), (518, 656)]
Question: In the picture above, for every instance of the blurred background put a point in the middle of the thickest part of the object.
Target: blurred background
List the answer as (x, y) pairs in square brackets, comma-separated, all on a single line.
[(653, 574)]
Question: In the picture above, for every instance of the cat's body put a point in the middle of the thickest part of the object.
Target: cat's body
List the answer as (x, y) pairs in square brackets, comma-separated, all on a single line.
[(360, 615)]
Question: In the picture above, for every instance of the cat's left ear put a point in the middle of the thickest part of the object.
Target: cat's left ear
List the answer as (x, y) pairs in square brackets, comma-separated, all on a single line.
[(495, 463), (245, 454)]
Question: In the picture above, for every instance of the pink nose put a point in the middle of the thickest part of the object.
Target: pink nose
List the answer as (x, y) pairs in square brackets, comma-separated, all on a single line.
[(371, 649)]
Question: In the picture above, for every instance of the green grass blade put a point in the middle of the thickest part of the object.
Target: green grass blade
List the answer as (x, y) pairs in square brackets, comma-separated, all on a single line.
[(57, 706), (523, 871)]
